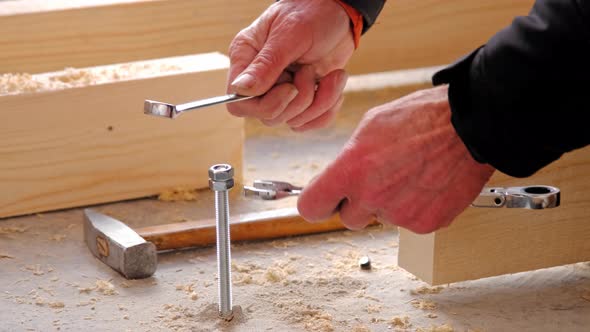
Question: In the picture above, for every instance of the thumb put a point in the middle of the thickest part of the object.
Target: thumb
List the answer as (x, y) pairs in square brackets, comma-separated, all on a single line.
[(277, 53)]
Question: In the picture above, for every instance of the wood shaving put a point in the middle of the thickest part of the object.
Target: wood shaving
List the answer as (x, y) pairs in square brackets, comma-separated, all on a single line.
[(426, 290), (58, 237), (105, 287), (5, 255), (56, 305), (401, 322), (424, 304), (37, 270), (179, 194), (586, 296), (373, 308), (440, 328), (431, 315), (92, 301), (86, 290), (189, 290), (360, 328)]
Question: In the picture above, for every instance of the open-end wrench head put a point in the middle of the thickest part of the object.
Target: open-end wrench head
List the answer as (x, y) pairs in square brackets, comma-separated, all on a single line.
[(157, 108)]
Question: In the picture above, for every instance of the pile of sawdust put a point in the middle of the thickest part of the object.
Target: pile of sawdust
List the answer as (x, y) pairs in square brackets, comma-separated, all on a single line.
[(181, 318), (16, 83), (426, 290), (401, 322), (312, 317), (423, 304), (179, 194), (250, 273)]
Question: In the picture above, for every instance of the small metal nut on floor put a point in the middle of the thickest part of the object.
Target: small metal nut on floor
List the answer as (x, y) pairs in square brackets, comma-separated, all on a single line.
[(365, 263)]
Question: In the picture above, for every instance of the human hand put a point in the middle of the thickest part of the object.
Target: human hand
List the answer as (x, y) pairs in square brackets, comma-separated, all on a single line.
[(305, 42), (404, 165)]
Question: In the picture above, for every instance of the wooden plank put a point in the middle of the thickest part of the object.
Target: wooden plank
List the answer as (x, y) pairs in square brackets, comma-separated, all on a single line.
[(408, 34), (412, 34), (97, 35), (93, 144), (489, 242)]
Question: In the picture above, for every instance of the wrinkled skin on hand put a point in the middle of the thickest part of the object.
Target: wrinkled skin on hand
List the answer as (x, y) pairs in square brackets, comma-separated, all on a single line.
[(292, 47), (404, 165)]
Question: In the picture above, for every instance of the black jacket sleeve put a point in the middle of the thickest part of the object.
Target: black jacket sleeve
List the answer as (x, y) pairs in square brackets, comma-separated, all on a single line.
[(523, 99), (369, 9)]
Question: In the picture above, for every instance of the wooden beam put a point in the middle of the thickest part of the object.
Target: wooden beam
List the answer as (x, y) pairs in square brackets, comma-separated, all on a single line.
[(419, 33), (489, 242), (92, 144), (408, 34)]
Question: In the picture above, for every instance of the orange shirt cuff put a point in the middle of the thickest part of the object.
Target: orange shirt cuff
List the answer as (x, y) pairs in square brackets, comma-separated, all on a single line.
[(356, 20)]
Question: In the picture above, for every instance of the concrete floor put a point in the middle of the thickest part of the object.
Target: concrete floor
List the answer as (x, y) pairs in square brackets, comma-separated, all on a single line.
[(48, 281)]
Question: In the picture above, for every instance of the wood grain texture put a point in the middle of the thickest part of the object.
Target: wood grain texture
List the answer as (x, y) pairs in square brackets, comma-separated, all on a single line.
[(489, 242), (93, 144), (412, 34), (247, 227), (408, 34)]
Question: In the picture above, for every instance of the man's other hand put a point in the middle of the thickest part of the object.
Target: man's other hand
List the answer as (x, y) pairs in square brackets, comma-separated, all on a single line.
[(404, 165), (292, 57)]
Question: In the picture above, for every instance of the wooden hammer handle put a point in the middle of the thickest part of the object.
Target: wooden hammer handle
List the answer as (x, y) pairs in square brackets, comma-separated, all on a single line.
[(251, 226)]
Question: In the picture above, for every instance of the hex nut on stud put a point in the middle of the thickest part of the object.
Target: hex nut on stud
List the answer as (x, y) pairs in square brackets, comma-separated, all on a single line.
[(221, 185), (221, 172)]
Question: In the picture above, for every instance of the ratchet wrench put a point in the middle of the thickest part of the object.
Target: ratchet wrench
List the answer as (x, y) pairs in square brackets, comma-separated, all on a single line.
[(527, 197)]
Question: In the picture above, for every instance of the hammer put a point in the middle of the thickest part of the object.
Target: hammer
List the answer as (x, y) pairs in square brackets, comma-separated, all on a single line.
[(133, 253)]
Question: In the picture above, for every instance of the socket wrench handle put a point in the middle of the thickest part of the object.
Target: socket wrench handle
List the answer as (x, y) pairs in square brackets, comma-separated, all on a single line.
[(528, 197)]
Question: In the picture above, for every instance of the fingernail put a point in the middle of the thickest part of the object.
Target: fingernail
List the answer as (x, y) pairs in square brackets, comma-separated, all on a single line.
[(244, 82), (292, 94)]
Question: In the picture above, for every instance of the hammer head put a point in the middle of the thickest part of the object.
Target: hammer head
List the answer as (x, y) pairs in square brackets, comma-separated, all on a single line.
[(118, 246)]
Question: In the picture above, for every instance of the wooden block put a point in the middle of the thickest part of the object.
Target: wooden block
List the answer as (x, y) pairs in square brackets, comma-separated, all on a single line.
[(408, 34), (93, 144), (489, 242)]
